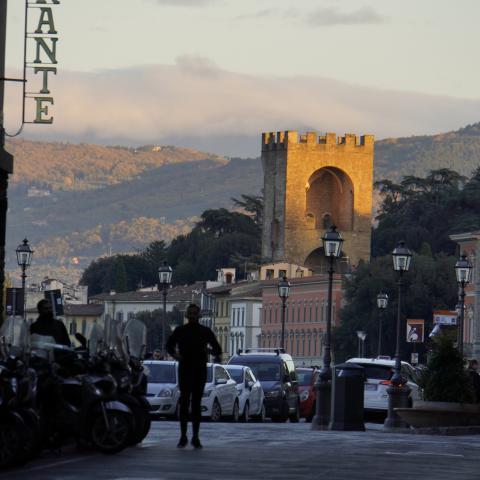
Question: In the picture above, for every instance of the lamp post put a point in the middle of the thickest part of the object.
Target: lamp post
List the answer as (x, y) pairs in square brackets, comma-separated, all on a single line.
[(382, 302), (165, 279), (361, 343), (399, 391), (283, 292), (24, 259), (463, 271), (332, 248)]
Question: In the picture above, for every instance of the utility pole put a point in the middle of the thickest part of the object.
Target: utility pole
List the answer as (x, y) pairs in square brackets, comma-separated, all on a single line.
[(6, 159)]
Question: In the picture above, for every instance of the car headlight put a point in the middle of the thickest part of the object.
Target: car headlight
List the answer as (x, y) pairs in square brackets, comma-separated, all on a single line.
[(273, 393), (304, 396), (207, 393), (166, 392)]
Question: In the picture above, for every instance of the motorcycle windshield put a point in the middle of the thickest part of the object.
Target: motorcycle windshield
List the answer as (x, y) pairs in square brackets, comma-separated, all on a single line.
[(135, 335), (14, 335), (95, 338), (114, 337)]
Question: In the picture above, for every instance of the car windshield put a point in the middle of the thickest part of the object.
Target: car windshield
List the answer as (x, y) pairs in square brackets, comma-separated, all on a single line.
[(304, 377), (236, 374), (209, 374), (377, 372), (265, 371), (158, 373)]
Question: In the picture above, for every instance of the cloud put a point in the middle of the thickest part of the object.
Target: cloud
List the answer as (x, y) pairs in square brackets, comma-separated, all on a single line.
[(319, 17), (186, 3), (330, 16), (196, 103)]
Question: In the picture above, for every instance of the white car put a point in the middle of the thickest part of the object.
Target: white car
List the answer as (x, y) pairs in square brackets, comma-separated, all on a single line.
[(378, 373), (250, 393), (220, 396), (163, 393)]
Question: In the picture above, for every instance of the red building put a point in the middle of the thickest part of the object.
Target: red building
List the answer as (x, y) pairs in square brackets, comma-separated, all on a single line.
[(305, 316), (469, 244)]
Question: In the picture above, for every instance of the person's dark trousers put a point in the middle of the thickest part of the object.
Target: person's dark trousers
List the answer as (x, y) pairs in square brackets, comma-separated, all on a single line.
[(192, 380)]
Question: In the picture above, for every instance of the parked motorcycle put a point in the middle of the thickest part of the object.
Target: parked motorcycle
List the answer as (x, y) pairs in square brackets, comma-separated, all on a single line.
[(78, 398), (126, 348)]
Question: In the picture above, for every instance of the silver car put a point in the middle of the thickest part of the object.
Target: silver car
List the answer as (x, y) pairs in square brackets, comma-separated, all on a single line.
[(250, 393), (163, 393)]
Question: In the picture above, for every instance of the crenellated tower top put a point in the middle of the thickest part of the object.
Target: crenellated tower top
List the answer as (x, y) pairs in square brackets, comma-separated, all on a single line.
[(282, 140)]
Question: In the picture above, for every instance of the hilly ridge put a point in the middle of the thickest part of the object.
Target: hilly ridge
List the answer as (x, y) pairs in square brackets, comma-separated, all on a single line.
[(77, 202)]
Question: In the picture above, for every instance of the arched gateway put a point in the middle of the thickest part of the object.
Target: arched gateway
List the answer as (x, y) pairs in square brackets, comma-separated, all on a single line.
[(310, 183)]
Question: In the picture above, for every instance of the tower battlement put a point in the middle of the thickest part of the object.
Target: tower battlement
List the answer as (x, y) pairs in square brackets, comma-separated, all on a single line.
[(282, 140)]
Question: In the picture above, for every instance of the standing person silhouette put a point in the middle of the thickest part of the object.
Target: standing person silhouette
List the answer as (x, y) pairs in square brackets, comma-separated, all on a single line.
[(189, 345)]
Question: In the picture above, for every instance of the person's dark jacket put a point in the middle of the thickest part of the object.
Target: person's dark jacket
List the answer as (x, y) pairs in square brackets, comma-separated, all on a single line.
[(476, 383), (45, 325), (192, 341)]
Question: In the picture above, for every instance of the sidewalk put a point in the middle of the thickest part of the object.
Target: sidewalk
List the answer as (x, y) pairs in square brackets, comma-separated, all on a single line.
[(272, 451)]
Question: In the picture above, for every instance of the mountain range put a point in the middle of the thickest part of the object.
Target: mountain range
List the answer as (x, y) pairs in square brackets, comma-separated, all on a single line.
[(75, 202)]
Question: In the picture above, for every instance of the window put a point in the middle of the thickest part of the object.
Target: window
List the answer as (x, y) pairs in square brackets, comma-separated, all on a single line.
[(269, 274), (282, 273), (159, 373)]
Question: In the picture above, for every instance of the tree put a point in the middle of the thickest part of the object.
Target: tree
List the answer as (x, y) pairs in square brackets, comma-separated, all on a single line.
[(252, 204), (429, 209), (430, 284)]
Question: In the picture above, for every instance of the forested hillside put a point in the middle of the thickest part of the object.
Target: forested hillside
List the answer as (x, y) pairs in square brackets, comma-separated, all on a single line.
[(77, 202)]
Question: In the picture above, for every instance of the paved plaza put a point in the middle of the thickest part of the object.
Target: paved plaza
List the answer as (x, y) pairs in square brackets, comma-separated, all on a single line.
[(264, 451)]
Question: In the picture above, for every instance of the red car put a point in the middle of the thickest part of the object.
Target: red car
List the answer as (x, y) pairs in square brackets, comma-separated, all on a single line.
[(307, 376)]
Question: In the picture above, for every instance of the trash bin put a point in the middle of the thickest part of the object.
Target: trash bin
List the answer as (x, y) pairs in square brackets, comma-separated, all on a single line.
[(347, 397)]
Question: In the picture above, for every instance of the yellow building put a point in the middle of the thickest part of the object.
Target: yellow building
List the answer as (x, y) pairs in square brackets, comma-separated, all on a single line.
[(310, 183)]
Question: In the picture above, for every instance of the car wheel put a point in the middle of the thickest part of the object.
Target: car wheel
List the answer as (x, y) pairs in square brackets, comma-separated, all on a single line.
[(295, 417), (236, 412), (246, 413), (216, 412), (261, 417)]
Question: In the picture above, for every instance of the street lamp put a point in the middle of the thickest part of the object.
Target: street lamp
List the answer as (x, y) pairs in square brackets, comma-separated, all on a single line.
[(24, 259), (165, 280), (463, 270), (399, 391), (332, 248), (361, 343), (283, 292), (382, 302)]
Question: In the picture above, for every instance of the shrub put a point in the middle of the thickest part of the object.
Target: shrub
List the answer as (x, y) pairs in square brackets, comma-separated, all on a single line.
[(445, 378)]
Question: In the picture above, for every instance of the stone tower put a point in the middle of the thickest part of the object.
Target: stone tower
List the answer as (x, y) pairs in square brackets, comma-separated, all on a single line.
[(313, 182)]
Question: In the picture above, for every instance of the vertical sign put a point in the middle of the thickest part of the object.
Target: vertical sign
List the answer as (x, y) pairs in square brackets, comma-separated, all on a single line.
[(415, 329), (14, 303), (55, 297), (45, 38)]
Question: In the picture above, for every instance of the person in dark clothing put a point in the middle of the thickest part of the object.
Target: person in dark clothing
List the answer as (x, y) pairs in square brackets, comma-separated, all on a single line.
[(47, 325), (189, 345), (474, 375)]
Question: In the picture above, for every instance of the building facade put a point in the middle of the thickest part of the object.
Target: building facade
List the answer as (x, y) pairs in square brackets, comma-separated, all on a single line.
[(310, 183), (245, 331), (469, 244), (305, 317)]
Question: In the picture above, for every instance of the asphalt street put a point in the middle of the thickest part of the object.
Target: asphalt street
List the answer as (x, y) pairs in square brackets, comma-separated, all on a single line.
[(269, 451)]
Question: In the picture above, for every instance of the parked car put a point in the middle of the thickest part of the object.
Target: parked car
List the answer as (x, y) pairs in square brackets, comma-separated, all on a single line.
[(163, 393), (220, 396), (250, 393), (276, 372), (306, 388), (378, 374)]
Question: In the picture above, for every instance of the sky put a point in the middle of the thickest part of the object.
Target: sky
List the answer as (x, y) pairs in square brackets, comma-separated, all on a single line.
[(214, 74)]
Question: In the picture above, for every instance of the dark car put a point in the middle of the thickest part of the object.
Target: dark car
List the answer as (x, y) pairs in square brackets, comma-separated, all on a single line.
[(276, 372), (306, 388)]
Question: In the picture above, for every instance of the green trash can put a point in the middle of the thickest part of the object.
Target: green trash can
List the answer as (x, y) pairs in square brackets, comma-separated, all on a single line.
[(347, 397)]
